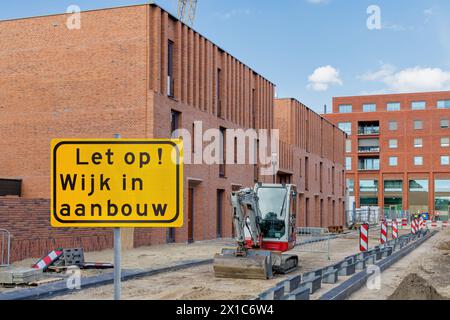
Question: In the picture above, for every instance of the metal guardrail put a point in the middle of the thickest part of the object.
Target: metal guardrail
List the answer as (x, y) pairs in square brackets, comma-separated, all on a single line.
[(5, 247), (312, 239)]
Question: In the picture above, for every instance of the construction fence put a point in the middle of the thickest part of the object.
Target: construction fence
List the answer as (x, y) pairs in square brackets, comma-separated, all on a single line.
[(5, 247), (316, 240)]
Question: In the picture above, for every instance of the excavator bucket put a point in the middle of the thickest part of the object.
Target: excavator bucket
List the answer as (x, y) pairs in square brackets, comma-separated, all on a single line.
[(257, 264)]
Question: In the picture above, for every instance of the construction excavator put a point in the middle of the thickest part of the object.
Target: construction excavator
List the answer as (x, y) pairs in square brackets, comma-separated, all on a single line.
[(264, 222)]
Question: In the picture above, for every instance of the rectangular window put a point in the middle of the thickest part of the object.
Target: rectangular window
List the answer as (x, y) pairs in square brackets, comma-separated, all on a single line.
[(345, 108), (348, 163), (393, 106), (218, 93), (222, 152), (418, 161), (351, 186), (393, 125), (346, 127), (442, 199), (368, 191), (393, 195), (418, 124), (348, 146), (369, 107), (418, 143), (443, 104), (393, 161), (393, 143), (445, 142), (445, 124), (418, 195), (445, 160), (174, 123), (418, 105), (170, 68)]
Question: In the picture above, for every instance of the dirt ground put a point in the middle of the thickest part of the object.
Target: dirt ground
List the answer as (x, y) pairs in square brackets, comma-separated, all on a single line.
[(424, 274), (199, 283)]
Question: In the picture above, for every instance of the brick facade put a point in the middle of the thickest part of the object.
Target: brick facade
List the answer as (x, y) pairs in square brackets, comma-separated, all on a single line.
[(111, 76)]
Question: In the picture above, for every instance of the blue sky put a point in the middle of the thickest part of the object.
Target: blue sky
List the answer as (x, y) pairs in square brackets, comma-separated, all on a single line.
[(315, 49)]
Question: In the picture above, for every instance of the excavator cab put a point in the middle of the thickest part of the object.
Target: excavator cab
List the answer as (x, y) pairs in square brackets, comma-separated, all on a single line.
[(264, 219)]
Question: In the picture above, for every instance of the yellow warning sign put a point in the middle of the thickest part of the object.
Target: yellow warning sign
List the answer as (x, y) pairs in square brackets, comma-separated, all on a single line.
[(117, 183)]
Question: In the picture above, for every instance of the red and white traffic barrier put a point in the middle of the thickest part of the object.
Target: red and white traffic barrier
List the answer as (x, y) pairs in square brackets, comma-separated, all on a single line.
[(445, 224), (394, 229), (383, 234), (46, 261), (364, 238), (404, 223), (413, 226)]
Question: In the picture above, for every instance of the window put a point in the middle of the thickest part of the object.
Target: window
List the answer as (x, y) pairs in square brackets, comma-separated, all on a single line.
[(418, 195), (369, 107), (393, 106), (348, 146), (393, 161), (346, 127), (350, 186), (445, 142), (445, 160), (418, 124), (393, 143), (418, 105), (393, 125), (442, 198), (348, 163), (418, 143), (445, 124), (170, 82), (222, 152), (443, 104), (174, 122), (368, 193), (219, 91), (345, 108), (418, 161)]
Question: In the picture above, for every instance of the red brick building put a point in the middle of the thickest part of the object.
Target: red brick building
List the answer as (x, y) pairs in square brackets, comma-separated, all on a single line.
[(398, 150), (315, 163), (140, 72)]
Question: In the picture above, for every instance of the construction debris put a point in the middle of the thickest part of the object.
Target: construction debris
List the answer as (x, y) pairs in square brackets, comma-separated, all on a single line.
[(15, 276)]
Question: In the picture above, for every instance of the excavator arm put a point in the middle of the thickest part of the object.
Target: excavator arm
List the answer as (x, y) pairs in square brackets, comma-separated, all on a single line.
[(246, 215)]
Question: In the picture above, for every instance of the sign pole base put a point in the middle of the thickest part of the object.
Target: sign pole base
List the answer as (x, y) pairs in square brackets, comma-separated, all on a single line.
[(117, 266)]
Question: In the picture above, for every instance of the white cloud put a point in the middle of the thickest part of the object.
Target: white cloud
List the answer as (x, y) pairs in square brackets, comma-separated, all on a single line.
[(324, 77), (410, 79)]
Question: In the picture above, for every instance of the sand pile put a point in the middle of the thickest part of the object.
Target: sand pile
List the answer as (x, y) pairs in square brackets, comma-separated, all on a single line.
[(414, 287)]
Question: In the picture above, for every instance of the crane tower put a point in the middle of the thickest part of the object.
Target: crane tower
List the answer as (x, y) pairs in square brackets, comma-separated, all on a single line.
[(186, 11)]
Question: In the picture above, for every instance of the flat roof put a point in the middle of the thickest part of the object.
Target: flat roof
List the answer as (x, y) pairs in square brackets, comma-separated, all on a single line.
[(391, 94), (141, 5)]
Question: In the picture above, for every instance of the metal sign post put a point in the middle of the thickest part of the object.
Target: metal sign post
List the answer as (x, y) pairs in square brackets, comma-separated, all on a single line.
[(117, 256)]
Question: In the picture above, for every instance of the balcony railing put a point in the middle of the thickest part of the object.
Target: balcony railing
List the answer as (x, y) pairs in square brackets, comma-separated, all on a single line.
[(368, 130), (369, 168), (368, 149)]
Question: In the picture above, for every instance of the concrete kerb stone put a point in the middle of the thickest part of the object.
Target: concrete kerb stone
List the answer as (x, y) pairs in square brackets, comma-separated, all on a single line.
[(60, 288), (312, 282), (290, 284), (347, 270), (301, 293), (276, 293), (330, 277), (345, 289)]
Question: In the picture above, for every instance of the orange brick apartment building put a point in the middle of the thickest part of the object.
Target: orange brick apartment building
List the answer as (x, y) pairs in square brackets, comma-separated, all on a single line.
[(140, 72), (398, 150)]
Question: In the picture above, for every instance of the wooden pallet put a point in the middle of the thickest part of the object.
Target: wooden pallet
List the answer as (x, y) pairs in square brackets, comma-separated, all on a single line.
[(336, 229)]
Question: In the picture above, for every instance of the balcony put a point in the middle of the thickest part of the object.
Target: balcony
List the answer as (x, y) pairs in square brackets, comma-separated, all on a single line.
[(373, 149), (369, 128), (369, 164)]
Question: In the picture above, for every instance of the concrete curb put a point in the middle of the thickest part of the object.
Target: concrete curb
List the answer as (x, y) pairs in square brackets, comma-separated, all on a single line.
[(60, 288), (355, 283)]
